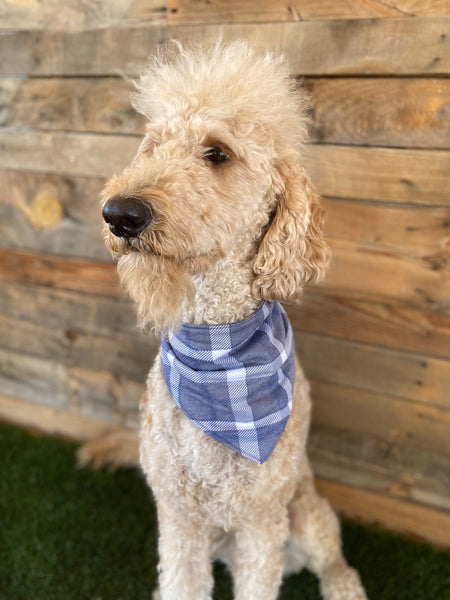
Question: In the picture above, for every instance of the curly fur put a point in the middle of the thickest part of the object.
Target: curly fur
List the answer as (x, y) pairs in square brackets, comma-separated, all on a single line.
[(223, 237)]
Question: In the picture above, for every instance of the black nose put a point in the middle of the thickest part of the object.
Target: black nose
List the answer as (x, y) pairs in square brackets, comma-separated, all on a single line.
[(127, 216)]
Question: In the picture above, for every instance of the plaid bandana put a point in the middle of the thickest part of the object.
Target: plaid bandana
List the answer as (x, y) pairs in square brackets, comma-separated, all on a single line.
[(235, 381)]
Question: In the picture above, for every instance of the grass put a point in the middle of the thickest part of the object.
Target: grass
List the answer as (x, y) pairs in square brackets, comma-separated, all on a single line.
[(76, 534)]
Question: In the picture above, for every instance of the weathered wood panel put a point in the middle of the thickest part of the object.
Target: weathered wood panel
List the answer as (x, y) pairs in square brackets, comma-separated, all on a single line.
[(85, 392), (406, 517), (99, 105), (234, 11), (124, 356), (399, 112), (409, 472), (365, 273), (53, 214), (74, 15), (394, 422), (420, 231), (393, 326), (62, 272), (75, 312), (379, 370), (387, 112), (388, 174), (372, 46), (385, 174)]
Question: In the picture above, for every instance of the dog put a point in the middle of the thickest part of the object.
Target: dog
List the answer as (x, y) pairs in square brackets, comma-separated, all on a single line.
[(213, 223)]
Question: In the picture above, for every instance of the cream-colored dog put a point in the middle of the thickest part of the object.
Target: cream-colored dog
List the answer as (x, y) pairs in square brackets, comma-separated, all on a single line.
[(214, 218)]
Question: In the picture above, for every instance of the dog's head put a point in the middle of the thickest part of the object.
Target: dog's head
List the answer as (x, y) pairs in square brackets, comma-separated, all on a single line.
[(219, 168)]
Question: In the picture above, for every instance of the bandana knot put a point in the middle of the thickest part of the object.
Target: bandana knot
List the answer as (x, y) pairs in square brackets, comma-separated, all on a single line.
[(234, 381)]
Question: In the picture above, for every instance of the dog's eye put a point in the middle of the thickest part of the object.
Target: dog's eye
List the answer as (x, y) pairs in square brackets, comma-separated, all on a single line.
[(215, 155)]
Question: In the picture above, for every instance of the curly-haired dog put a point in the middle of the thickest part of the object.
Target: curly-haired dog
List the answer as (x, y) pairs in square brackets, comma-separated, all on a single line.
[(213, 223)]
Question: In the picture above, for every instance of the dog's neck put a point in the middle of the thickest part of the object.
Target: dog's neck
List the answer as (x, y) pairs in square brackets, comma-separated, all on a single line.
[(223, 294)]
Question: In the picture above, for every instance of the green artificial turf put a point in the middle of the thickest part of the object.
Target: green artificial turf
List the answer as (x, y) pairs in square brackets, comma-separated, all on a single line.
[(67, 533)]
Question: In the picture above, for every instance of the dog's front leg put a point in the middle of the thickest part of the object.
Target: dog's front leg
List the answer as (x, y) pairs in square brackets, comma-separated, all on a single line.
[(185, 571), (257, 564)]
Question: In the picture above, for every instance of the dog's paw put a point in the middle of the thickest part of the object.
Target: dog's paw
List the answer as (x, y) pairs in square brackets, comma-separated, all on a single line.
[(119, 448), (342, 583)]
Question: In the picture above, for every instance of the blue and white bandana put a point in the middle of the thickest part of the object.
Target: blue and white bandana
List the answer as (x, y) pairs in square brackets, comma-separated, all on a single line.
[(235, 381)]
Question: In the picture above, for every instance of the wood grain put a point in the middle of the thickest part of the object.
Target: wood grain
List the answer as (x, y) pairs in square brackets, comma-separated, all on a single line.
[(391, 112), (77, 230), (374, 369), (384, 174), (387, 174), (401, 470), (362, 272), (391, 326), (61, 272), (412, 519), (412, 230), (74, 15), (405, 46), (397, 112), (398, 422), (241, 11)]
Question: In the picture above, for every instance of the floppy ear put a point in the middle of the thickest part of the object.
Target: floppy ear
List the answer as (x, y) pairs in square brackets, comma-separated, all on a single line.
[(293, 251)]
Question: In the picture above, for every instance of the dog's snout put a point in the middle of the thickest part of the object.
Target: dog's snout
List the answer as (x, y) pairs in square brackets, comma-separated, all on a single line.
[(127, 216)]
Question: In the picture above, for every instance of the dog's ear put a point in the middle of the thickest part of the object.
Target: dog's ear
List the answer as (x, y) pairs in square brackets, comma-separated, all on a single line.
[(293, 251)]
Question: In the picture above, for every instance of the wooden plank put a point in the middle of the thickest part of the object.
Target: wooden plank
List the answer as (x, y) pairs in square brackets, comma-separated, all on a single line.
[(362, 272), (66, 153), (34, 379), (405, 517), (381, 111), (51, 420), (384, 174), (65, 273), (419, 231), (126, 356), (379, 370), (405, 46), (398, 327), (397, 422), (74, 312), (241, 11), (51, 213), (100, 105), (380, 465), (74, 15), (399, 112)]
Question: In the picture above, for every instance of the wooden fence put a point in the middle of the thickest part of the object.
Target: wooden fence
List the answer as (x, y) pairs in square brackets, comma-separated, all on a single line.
[(374, 338)]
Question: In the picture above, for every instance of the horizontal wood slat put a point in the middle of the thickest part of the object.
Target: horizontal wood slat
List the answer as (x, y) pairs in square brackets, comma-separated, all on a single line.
[(388, 325), (399, 112), (406, 517), (234, 11), (381, 465), (385, 174), (73, 15), (371, 46), (61, 272), (393, 421), (379, 370)]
